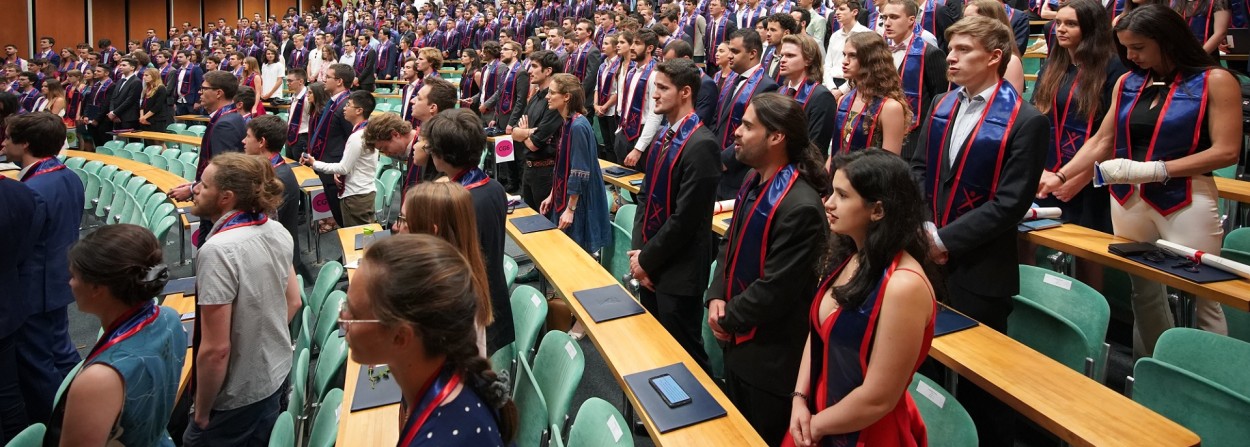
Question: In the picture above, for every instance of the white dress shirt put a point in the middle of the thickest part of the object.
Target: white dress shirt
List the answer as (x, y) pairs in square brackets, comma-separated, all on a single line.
[(966, 118), (358, 166), (650, 120), (833, 55)]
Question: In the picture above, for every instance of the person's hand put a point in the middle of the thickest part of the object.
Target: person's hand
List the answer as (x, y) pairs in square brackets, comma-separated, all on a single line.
[(646, 282), (181, 193), (356, 82), (545, 206), (306, 160), (566, 219), (800, 422), (635, 269), (716, 311), (200, 418), (338, 182), (1076, 182), (631, 160), (507, 130), (1048, 184), (481, 108), (492, 123), (143, 121)]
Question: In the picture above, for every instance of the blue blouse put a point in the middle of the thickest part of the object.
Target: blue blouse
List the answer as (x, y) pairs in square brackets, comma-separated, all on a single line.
[(591, 227)]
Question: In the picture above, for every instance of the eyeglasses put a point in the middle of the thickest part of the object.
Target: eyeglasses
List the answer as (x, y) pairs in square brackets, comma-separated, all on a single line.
[(345, 317)]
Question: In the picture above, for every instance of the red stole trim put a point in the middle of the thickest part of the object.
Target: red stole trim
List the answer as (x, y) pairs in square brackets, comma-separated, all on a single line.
[(741, 271), (911, 74), (660, 181), (853, 140), (43, 166)]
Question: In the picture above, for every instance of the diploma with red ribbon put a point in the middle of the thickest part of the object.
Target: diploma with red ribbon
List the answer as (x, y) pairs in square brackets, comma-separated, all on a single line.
[(1203, 258)]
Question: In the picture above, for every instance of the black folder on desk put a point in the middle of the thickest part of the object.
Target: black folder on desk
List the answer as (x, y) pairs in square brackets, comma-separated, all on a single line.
[(949, 321), (180, 285), (530, 224), (608, 303), (702, 406), (1169, 262), (372, 395), (378, 235), (617, 171)]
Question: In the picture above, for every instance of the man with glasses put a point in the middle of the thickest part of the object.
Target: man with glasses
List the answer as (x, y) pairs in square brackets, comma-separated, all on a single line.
[(244, 301), (225, 130), (329, 137), (297, 123)]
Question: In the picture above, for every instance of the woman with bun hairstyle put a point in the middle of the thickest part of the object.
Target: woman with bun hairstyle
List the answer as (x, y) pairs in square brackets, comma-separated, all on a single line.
[(125, 392)]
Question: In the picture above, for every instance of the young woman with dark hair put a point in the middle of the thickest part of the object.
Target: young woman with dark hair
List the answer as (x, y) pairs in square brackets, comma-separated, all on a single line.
[(1173, 119)]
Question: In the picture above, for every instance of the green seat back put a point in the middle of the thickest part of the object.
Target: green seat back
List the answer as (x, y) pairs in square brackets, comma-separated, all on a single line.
[(296, 405), (172, 155), (1213, 412), (1218, 358), (197, 129), (625, 217), (529, 312), (946, 421), (510, 269), (75, 162), (589, 426), (390, 182), (113, 144), (326, 427), (32, 436), (327, 317), (531, 407), (503, 360), (283, 434), (154, 149), (1238, 320), (558, 368), (133, 147), (159, 162), (303, 339), (91, 190), (162, 227), (327, 279), (175, 127), (1047, 294), (175, 167), (616, 259), (330, 365), (60, 392), (1238, 239), (189, 157)]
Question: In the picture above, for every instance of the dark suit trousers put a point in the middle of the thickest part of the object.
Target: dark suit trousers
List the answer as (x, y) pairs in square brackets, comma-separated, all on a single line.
[(184, 108), (301, 145), (332, 196), (769, 414), (45, 355), (623, 146), (682, 316), (607, 128), (12, 404)]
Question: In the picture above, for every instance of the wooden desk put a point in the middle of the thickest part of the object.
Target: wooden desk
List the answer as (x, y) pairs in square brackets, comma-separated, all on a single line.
[(1075, 408), (375, 426), (623, 181), (277, 106), (387, 95), (182, 304), (163, 137), (719, 226), (628, 345), (1092, 245), (1233, 189), (192, 118), (392, 81)]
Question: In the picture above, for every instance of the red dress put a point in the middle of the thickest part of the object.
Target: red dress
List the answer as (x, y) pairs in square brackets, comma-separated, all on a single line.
[(841, 345)]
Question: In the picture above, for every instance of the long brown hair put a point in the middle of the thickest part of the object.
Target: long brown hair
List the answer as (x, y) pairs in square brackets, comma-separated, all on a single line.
[(445, 209), (568, 84), (877, 77), (422, 281), (1091, 55)]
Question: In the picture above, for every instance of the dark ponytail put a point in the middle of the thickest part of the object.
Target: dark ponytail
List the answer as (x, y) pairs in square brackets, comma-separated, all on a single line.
[(780, 113)]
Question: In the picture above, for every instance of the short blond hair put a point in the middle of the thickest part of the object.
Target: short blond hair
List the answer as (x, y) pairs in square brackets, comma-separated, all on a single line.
[(434, 55), (382, 126), (991, 34)]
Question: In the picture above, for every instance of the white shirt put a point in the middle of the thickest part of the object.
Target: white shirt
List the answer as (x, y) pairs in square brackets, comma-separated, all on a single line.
[(303, 117), (349, 59), (816, 28), (966, 118), (314, 62), (272, 74), (902, 54), (650, 120), (359, 167), (833, 55), (623, 65), (183, 73)]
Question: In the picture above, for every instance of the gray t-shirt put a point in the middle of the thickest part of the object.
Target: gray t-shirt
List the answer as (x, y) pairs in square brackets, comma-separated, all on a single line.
[(248, 267)]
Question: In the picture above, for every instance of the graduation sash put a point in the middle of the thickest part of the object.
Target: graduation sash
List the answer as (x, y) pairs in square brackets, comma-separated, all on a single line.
[(1176, 134), (560, 174), (857, 136), (738, 104), (490, 82), (413, 174), (43, 166), (130, 323), (979, 164), (321, 132), (508, 94), (716, 31), (1200, 19), (1069, 127), (927, 9), (750, 226), (912, 74), (471, 178), (576, 63), (297, 116), (661, 159), (607, 74), (206, 150), (803, 94), (637, 95)]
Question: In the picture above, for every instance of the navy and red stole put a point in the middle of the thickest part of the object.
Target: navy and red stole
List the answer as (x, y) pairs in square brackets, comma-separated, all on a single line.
[(576, 63), (1200, 18), (560, 175), (738, 104), (927, 14), (1176, 134), (206, 148), (41, 167), (508, 94), (637, 96), (471, 178), (490, 82), (749, 233), (661, 160), (413, 174), (607, 74), (716, 31), (321, 133), (979, 163), (1070, 128), (803, 94), (857, 136), (842, 342), (912, 76), (127, 325), (276, 160), (722, 79), (297, 116)]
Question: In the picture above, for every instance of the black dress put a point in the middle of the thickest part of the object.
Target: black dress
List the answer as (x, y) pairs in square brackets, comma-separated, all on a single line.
[(161, 111)]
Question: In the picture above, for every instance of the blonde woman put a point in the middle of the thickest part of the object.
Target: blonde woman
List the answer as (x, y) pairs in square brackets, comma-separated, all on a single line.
[(154, 114), (253, 78)]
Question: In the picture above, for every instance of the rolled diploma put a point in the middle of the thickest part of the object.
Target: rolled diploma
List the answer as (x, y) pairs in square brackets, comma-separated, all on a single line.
[(724, 206), (1043, 213), (1224, 264)]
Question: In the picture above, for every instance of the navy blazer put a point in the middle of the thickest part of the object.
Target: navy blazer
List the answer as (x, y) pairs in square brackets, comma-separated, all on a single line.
[(225, 136), (24, 217), (195, 78), (47, 273), (705, 103)]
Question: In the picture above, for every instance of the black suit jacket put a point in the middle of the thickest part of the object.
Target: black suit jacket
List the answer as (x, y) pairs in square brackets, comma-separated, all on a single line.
[(734, 171), (982, 242), (336, 139), (778, 304), (705, 103), (124, 99), (949, 13), (678, 255), (521, 98), (820, 110), (367, 75), (593, 59), (933, 84), (159, 106)]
